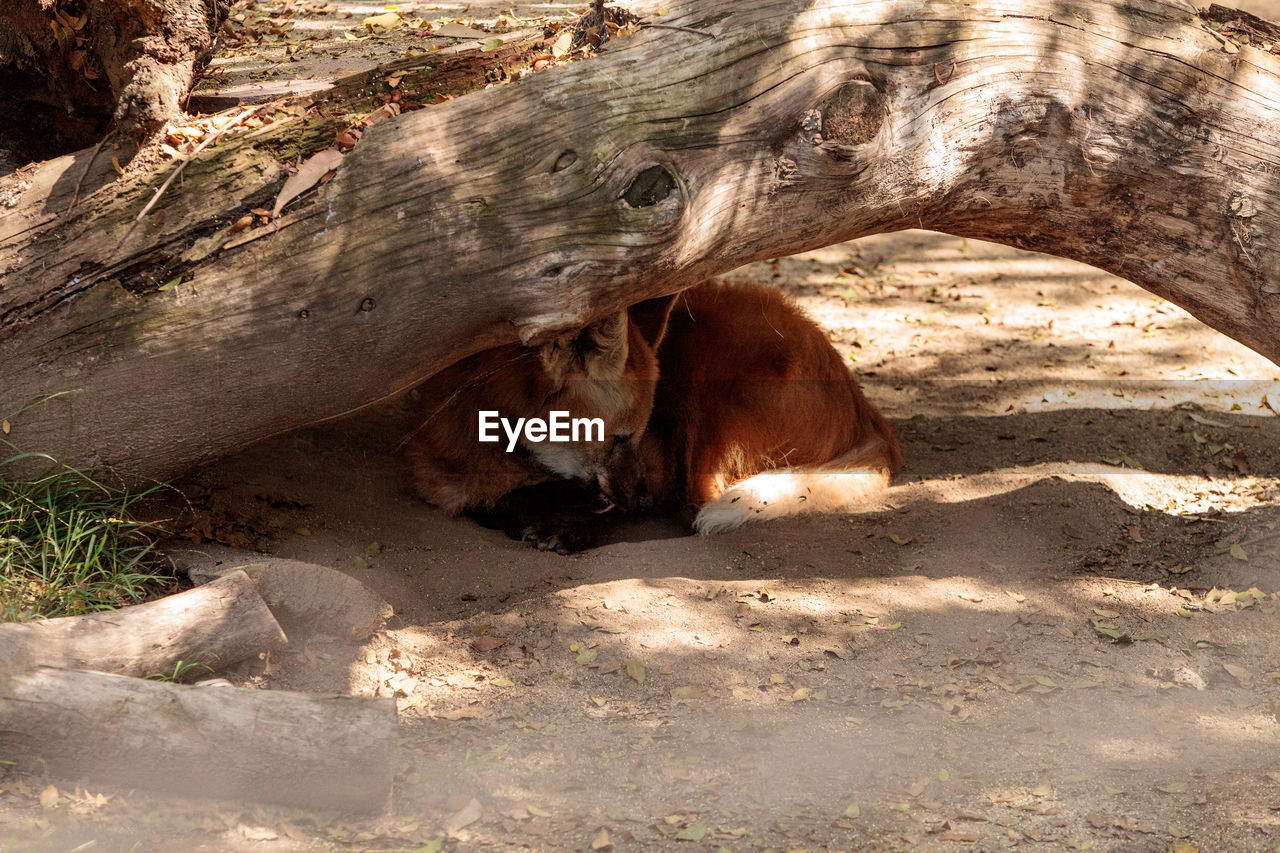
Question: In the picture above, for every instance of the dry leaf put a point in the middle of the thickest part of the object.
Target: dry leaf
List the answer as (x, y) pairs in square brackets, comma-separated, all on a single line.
[(383, 113), (257, 833), (487, 644), (49, 797), (457, 31), (316, 167), (563, 44), (636, 671), (387, 20), (1239, 673), (472, 713), (467, 815)]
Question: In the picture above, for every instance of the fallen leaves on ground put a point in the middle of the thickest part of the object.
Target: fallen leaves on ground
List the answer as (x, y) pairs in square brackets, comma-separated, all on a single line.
[(308, 175)]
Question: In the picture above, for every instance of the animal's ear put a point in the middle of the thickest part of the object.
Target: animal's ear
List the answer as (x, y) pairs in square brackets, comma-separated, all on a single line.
[(598, 351), (650, 318)]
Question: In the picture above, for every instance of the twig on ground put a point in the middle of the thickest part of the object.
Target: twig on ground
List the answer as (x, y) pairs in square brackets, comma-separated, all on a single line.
[(203, 145), (75, 196)]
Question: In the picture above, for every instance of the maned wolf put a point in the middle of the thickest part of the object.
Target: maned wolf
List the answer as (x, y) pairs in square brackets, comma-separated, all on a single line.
[(756, 415), (721, 406), (599, 381)]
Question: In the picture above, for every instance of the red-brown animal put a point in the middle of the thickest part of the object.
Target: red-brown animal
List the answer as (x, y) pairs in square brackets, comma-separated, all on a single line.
[(606, 371), (756, 415)]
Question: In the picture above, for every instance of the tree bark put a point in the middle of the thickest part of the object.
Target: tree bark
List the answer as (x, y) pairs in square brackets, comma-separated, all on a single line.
[(215, 626), (308, 599), (211, 742), (1126, 135), (69, 74)]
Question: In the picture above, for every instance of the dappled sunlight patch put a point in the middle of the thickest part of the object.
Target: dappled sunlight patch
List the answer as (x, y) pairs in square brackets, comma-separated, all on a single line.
[(1218, 393), (945, 325), (429, 672), (1179, 494), (1116, 748), (1248, 729)]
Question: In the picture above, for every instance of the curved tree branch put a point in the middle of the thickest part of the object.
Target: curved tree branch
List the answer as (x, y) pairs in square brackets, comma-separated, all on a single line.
[(1127, 135)]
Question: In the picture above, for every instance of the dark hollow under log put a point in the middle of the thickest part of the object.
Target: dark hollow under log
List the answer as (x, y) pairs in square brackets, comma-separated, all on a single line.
[(72, 71)]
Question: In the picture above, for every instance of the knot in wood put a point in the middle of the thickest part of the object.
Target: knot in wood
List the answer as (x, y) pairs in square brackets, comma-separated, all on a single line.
[(853, 114), (650, 187)]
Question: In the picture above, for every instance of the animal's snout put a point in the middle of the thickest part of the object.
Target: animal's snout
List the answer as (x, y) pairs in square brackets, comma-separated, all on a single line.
[(623, 481)]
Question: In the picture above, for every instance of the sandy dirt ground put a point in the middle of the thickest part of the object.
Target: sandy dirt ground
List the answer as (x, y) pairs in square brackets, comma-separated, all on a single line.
[(1057, 630)]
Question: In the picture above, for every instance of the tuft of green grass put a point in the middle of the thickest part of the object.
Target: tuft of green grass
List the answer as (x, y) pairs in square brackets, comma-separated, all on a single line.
[(185, 670), (68, 546)]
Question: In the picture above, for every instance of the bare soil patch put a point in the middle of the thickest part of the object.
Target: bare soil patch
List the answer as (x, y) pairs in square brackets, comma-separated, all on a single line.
[(1057, 630)]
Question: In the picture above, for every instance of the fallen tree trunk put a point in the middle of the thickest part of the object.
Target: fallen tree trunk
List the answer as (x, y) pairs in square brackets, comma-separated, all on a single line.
[(212, 626), (1127, 135), (210, 742)]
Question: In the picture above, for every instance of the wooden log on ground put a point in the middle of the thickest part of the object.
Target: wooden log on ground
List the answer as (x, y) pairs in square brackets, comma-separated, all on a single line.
[(216, 625), (1128, 134), (211, 742), (308, 598)]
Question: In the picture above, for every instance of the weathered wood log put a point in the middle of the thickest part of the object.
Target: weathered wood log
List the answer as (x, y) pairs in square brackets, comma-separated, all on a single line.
[(211, 626), (210, 742), (1125, 134), (307, 598)]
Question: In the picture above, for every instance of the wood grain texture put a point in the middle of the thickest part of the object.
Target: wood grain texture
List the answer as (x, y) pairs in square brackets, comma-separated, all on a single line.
[(1124, 135), (261, 746), (218, 624)]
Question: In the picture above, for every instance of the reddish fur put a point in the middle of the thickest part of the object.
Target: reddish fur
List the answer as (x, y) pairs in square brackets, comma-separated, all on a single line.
[(607, 370), (750, 384)]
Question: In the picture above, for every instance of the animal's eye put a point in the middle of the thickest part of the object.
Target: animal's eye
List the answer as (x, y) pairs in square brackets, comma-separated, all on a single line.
[(620, 438)]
